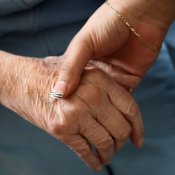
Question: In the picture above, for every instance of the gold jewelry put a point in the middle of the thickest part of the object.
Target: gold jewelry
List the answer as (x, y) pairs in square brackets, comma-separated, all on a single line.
[(137, 35)]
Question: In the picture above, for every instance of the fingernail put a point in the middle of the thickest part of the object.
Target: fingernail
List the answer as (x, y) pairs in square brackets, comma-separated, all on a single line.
[(60, 88), (140, 143)]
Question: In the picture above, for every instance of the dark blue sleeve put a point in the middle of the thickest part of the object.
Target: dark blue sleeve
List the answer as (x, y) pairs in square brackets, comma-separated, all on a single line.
[(9, 6)]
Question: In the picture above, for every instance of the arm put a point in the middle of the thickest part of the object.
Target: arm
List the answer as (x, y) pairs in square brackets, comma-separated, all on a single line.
[(24, 82), (158, 13)]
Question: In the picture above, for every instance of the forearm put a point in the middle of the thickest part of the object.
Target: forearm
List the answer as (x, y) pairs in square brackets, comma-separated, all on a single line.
[(160, 13), (24, 85)]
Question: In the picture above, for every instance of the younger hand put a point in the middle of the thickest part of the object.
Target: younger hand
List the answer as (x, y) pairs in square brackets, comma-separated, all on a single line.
[(106, 40)]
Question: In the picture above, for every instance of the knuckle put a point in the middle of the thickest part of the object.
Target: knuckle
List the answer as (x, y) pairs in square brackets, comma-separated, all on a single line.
[(106, 143), (83, 152), (59, 126), (68, 120), (72, 111), (125, 134), (55, 128), (133, 110)]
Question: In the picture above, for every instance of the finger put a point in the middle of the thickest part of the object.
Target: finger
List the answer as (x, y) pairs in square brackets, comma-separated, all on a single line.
[(100, 139), (75, 59), (82, 148), (120, 144), (116, 124), (124, 102)]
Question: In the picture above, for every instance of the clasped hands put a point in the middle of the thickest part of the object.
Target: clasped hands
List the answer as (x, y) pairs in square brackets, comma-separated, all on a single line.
[(100, 113), (95, 121), (97, 115)]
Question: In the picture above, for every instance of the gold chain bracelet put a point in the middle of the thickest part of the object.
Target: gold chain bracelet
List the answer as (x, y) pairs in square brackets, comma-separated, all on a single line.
[(136, 34)]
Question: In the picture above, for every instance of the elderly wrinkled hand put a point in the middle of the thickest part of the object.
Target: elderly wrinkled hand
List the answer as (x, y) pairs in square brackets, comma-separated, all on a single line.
[(97, 114), (100, 113)]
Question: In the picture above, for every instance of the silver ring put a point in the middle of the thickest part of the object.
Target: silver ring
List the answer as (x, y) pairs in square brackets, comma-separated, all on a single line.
[(55, 95)]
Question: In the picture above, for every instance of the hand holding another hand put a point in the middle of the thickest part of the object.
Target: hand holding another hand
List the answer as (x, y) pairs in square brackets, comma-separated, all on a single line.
[(100, 113), (106, 40)]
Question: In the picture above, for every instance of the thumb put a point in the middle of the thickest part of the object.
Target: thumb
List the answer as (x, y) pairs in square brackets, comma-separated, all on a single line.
[(75, 59)]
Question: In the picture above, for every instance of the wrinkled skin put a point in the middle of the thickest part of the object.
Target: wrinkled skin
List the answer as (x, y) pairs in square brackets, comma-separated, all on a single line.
[(100, 113)]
